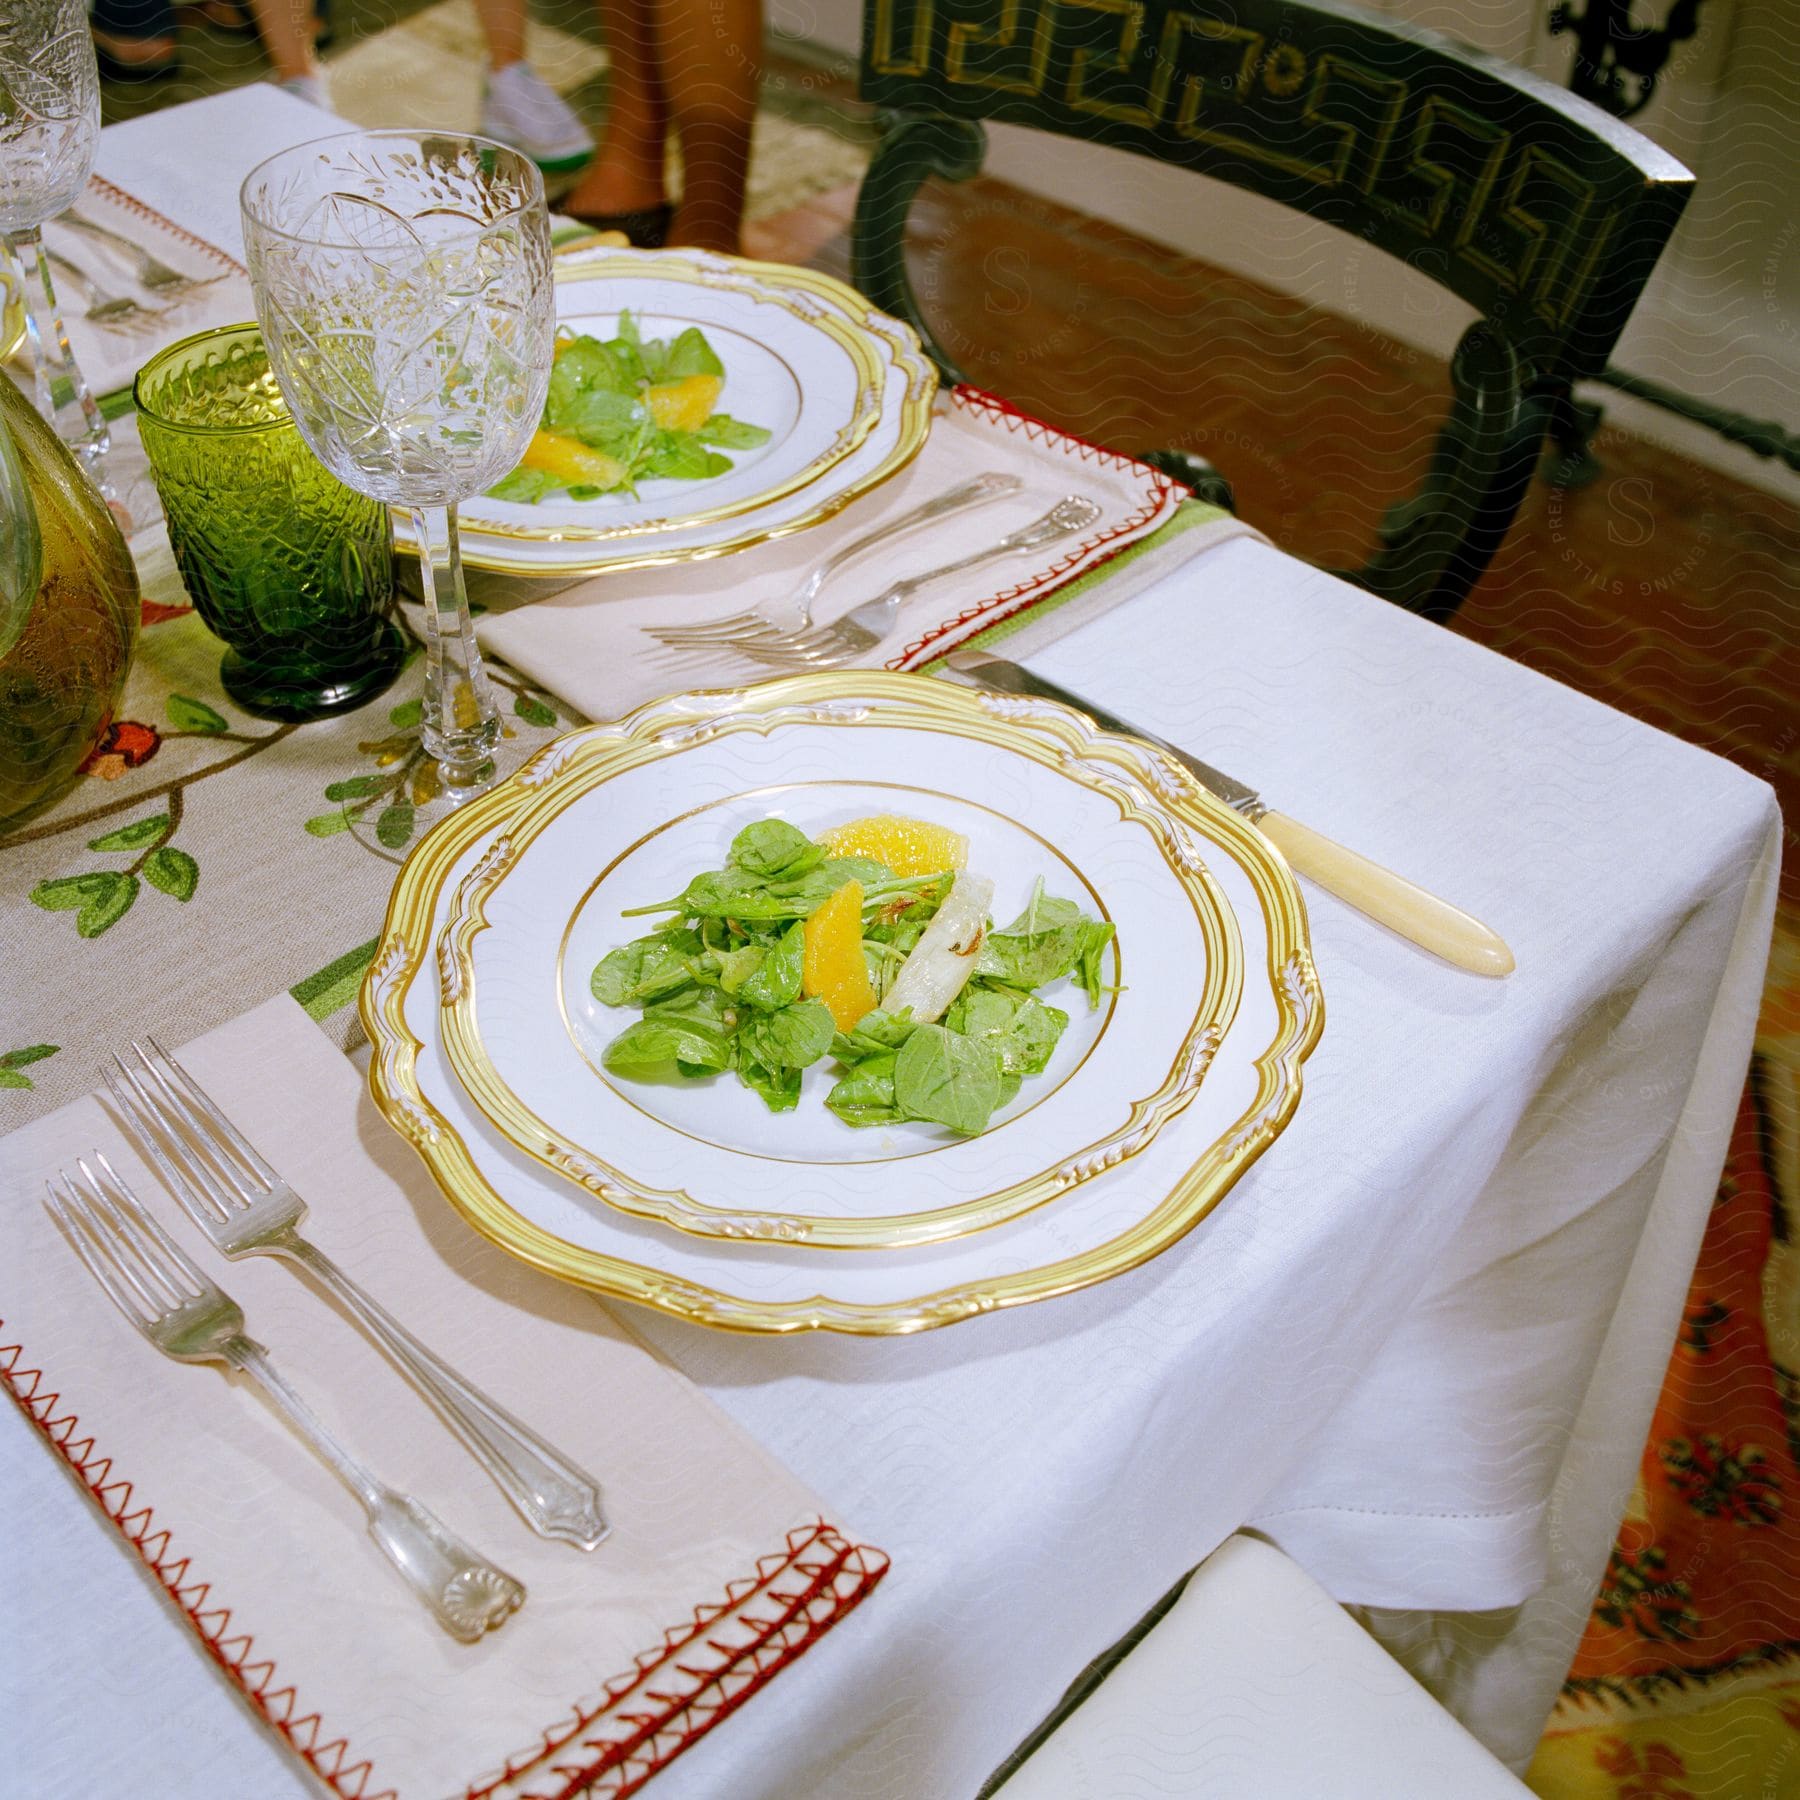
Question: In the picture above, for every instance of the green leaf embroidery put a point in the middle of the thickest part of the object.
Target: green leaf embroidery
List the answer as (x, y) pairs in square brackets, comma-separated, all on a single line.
[(395, 825), (65, 892), (328, 824), (134, 836), (173, 871), (358, 787), (532, 710), (407, 714), (14, 1060), (187, 714), (107, 903)]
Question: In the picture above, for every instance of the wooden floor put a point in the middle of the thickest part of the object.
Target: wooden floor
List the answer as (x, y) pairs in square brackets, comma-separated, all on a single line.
[(1663, 588)]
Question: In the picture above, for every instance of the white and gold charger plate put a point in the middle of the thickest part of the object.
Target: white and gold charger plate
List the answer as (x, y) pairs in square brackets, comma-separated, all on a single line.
[(845, 392), (1137, 1201), (526, 1037)]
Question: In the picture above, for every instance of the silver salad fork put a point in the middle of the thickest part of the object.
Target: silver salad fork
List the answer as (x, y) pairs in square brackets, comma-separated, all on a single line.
[(161, 1293), (246, 1209)]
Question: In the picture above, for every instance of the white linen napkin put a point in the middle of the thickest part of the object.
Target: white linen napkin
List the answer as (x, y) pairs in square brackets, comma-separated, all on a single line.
[(110, 356), (585, 642), (719, 1571)]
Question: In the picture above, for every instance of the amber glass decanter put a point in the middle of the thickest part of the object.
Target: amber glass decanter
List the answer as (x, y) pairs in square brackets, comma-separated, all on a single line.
[(68, 610)]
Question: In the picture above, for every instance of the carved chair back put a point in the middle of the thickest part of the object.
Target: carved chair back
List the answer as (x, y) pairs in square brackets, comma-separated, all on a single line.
[(1539, 210)]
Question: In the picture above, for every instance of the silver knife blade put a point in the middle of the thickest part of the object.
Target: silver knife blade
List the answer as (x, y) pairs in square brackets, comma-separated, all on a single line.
[(1010, 678)]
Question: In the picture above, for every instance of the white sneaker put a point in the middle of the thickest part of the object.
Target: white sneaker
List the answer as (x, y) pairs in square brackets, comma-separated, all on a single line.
[(314, 89), (522, 109)]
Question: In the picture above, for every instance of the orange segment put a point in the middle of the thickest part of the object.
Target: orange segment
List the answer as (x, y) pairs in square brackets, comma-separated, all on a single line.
[(571, 460), (684, 405), (907, 846), (832, 968)]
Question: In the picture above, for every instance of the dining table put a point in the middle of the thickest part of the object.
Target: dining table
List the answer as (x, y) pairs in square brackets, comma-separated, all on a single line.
[(1416, 1346)]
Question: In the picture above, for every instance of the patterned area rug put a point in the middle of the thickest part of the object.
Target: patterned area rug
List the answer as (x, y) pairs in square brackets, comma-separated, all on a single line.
[(1687, 1683)]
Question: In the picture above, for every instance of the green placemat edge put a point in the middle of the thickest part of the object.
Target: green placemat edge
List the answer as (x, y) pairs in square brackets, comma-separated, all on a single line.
[(1188, 515)]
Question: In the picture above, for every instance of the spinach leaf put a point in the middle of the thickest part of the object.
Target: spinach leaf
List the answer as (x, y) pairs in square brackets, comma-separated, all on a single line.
[(680, 456), (735, 967), (1021, 1028), (648, 968), (644, 359), (1096, 934), (875, 1034), (772, 848), (525, 485), (947, 1078), (792, 1038), (694, 1028), (584, 367), (982, 1011), (690, 354), (732, 434), (779, 1088), (1041, 945), (866, 1095), (617, 423), (839, 869), (776, 981)]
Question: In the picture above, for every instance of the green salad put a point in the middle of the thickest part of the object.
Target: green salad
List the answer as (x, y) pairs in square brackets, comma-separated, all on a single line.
[(628, 409), (790, 956)]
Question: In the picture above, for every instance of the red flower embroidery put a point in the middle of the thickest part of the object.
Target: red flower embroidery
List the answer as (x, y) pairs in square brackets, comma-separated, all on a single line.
[(123, 744), (1654, 1772)]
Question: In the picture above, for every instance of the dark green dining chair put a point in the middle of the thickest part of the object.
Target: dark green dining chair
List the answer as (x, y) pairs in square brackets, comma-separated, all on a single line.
[(1533, 206)]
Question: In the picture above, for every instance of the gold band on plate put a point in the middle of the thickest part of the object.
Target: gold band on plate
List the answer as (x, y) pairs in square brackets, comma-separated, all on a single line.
[(484, 542), (404, 950), (599, 762), (871, 378)]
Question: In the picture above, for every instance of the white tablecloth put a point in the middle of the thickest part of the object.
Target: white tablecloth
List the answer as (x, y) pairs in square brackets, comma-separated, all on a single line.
[(1418, 1346)]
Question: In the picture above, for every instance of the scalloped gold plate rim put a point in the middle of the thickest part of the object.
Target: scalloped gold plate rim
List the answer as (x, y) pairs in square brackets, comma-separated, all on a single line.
[(403, 951), (599, 761), (484, 547)]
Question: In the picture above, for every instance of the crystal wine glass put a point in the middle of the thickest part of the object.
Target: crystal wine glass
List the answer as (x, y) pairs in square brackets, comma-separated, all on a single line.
[(403, 283), (49, 130)]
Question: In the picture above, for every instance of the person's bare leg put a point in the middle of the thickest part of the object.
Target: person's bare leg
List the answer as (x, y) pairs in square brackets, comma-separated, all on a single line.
[(712, 60), (627, 173), (503, 26), (143, 52), (286, 27)]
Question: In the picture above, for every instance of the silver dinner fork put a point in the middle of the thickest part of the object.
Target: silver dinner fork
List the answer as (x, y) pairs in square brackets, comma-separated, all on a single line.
[(111, 312), (149, 1279), (843, 640), (154, 275), (246, 1209), (739, 628)]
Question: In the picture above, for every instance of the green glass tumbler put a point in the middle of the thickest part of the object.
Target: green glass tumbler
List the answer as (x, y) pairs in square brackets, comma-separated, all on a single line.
[(293, 570)]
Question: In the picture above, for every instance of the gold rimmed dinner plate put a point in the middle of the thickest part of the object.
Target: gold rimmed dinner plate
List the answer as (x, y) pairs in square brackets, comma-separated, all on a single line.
[(763, 1281), (844, 391), (526, 1036)]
